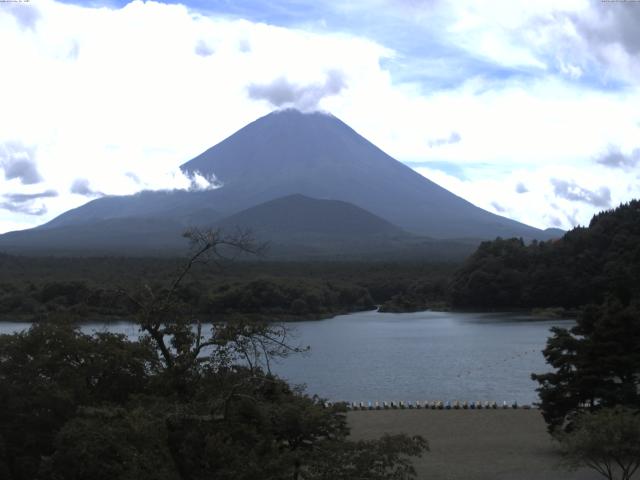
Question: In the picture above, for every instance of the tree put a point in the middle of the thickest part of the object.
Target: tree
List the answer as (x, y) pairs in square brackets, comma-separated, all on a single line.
[(105, 443), (386, 458), (597, 364), (608, 441), (51, 370)]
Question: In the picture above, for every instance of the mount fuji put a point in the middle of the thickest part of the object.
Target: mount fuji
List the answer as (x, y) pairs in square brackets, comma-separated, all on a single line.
[(304, 167)]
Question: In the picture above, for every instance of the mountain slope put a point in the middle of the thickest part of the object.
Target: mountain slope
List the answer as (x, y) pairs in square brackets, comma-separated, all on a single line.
[(122, 236), (180, 206)]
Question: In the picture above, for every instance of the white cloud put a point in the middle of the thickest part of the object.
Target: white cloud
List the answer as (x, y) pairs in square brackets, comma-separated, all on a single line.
[(283, 94), (545, 122), (555, 196), (18, 162)]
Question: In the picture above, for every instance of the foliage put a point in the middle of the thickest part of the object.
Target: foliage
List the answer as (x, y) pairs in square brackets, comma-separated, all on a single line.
[(37, 288), (419, 295), (585, 266), (281, 298), (180, 403), (48, 372), (103, 443), (608, 441), (597, 363), (371, 460)]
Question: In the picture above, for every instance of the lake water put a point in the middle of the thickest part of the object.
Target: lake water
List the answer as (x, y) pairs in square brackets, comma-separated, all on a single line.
[(372, 356)]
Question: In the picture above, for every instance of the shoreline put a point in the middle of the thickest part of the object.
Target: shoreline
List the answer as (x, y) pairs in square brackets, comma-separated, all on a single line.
[(534, 314)]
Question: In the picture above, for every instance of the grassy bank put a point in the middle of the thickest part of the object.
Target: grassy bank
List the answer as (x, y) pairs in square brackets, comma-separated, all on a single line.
[(473, 444)]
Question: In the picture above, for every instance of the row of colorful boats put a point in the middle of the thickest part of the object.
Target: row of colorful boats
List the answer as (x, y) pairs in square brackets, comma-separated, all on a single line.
[(434, 405)]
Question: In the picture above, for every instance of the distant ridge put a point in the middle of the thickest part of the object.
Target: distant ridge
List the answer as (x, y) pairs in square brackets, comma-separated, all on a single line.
[(298, 214)]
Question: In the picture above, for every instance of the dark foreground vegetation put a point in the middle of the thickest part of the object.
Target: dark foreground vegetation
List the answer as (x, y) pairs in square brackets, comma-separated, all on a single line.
[(101, 407), (181, 403)]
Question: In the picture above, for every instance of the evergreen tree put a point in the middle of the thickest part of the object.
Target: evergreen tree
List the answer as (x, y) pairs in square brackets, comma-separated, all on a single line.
[(597, 364)]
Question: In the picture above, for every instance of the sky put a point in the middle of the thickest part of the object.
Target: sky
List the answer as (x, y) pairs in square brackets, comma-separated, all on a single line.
[(528, 109)]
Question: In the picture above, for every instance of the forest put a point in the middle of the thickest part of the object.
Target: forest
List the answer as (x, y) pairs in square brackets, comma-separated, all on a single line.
[(586, 266), (34, 288)]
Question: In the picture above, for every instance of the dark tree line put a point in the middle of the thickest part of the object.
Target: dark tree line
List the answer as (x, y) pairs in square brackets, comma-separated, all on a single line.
[(278, 298), (33, 288), (585, 266)]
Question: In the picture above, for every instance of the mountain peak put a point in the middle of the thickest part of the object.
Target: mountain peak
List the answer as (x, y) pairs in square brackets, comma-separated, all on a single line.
[(302, 118)]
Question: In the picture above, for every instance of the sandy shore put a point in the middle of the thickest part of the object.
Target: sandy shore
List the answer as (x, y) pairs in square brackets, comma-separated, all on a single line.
[(473, 444)]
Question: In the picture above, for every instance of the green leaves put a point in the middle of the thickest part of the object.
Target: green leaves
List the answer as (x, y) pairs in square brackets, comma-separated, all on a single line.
[(596, 362)]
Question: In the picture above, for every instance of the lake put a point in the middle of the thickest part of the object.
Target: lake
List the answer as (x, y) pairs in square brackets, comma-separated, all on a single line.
[(372, 356)]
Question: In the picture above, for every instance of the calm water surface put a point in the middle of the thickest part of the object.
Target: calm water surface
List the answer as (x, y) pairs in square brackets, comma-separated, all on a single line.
[(411, 356)]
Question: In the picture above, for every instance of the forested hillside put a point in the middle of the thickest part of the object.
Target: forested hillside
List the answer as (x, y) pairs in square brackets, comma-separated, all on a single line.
[(585, 266)]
